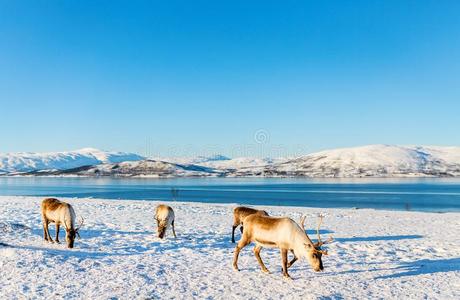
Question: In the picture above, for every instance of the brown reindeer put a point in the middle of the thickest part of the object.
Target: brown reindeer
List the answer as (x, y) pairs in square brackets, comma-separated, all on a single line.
[(164, 215), (60, 213), (282, 233), (239, 214)]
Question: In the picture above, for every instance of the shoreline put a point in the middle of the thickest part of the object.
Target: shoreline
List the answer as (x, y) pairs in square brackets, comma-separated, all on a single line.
[(231, 204)]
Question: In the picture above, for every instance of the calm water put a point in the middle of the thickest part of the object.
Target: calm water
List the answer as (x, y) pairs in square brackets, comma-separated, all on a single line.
[(438, 195)]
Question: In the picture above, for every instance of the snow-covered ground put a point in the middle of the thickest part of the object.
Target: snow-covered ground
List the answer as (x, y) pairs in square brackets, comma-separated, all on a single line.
[(376, 254)]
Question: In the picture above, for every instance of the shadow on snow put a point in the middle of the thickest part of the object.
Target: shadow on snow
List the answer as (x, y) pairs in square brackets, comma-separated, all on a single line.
[(150, 243), (378, 238), (424, 266)]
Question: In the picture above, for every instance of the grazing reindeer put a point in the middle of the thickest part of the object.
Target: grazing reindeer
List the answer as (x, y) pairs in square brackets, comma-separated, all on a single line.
[(240, 213), (164, 215), (282, 233), (60, 213)]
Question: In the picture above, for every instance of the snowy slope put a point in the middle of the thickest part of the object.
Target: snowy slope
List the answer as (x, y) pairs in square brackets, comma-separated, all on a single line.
[(198, 160), (146, 168), (376, 255), (242, 163), (27, 161), (366, 161), (221, 162), (376, 161)]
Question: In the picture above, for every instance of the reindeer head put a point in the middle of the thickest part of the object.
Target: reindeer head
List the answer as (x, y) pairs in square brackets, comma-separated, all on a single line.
[(162, 225), (161, 231), (71, 233), (70, 237), (314, 251)]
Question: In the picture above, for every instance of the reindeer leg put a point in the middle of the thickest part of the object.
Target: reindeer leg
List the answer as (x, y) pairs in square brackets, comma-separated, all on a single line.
[(57, 232), (233, 233), (173, 230), (293, 260), (257, 249), (284, 263), (48, 233), (158, 228), (243, 242), (45, 233)]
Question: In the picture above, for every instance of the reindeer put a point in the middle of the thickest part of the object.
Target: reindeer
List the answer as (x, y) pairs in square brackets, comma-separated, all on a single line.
[(240, 213), (60, 213), (164, 215), (282, 233)]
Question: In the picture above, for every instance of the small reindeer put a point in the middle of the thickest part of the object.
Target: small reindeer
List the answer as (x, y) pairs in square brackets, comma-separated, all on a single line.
[(164, 215), (282, 233), (240, 213), (60, 213)]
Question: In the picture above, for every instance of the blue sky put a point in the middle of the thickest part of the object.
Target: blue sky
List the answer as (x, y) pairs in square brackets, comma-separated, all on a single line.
[(197, 77)]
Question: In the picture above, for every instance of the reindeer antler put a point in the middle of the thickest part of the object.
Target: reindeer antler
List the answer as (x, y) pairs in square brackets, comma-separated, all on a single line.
[(302, 222), (82, 221), (320, 243), (317, 228)]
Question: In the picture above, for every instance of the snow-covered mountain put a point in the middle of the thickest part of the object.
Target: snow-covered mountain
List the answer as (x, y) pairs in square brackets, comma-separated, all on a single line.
[(366, 161), (142, 168), (374, 161), (222, 162), (28, 161), (242, 163), (198, 160)]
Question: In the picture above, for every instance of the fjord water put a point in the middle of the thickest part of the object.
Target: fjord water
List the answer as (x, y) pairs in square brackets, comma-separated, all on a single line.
[(435, 195)]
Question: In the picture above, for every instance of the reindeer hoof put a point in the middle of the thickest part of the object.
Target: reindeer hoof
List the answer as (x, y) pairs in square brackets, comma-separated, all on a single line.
[(266, 271), (236, 268), (286, 276)]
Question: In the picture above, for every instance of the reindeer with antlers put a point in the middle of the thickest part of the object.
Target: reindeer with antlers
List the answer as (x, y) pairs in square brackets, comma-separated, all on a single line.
[(60, 213), (282, 233)]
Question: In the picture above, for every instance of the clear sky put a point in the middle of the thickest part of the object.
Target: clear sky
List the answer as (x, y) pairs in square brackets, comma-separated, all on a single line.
[(197, 77)]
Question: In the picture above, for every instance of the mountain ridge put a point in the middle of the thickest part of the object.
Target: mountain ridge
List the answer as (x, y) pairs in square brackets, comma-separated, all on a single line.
[(31, 161), (365, 161)]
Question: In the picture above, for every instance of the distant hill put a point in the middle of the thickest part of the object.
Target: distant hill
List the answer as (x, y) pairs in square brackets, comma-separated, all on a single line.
[(28, 161), (375, 161), (365, 161), (141, 168)]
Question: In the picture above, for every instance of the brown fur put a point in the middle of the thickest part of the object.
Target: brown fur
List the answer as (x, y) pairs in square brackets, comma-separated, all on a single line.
[(50, 204), (282, 233), (239, 214), (49, 207), (162, 223)]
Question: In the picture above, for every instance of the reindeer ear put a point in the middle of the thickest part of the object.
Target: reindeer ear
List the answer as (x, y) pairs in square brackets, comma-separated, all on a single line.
[(323, 252), (308, 246)]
